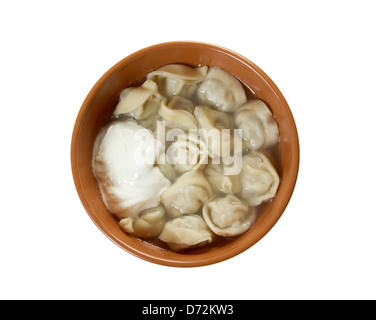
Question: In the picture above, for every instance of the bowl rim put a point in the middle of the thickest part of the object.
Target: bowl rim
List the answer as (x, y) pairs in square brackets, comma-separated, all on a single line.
[(197, 259)]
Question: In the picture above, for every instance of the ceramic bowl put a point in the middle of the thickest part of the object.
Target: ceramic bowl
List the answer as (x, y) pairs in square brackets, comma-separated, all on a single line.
[(99, 104)]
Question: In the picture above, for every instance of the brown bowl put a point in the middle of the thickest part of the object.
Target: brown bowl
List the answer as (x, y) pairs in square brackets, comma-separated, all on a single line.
[(96, 111)]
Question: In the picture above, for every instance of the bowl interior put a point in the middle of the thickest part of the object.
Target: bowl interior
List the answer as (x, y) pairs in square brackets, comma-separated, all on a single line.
[(97, 109)]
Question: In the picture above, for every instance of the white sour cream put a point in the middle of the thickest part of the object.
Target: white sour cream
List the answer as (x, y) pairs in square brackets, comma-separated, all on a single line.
[(123, 164)]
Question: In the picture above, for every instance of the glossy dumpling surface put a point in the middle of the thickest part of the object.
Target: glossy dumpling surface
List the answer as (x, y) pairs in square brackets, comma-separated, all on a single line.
[(221, 91), (188, 153), (259, 179), (187, 194), (178, 79), (177, 117), (217, 130), (148, 224), (228, 216), (186, 232), (132, 101), (219, 181), (259, 128), (168, 170)]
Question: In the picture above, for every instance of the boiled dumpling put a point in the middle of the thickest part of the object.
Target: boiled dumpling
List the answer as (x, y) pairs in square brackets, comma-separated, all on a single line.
[(139, 102), (178, 79), (168, 170), (259, 179), (259, 128), (181, 103), (187, 194), (149, 117), (177, 118), (217, 130), (148, 224), (228, 216), (188, 153), (221, 91), (186, 232), (220, 182)]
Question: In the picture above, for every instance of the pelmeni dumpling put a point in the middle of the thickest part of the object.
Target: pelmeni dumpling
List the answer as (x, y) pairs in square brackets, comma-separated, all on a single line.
[(148, 119), (187, 194), (188, 153), (220, 182), (218, 130), (228, 216), (259, 128), (148, 224), (177, 118), (259, 179), (168, 171), (138, 102), (221, 91), (178, 79), (181, 103), (186, 232)]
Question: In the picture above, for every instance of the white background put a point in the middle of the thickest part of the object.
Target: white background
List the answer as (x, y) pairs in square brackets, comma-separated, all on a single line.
[(321, 55)]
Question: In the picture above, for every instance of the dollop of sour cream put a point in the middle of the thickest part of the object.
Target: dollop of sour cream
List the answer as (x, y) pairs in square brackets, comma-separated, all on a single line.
[(124, 160)]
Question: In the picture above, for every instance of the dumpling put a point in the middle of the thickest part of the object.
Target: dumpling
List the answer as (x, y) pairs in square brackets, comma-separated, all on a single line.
[(220, 182), (228, 216), (221, 91), (148, 119), (187, 153), (178, 79), (259, 129), (177, 118), (187, 194), (181, 103), (186, 232), (168, 171), (138, 102), (259, 179), (217, 130), (148, 224)]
